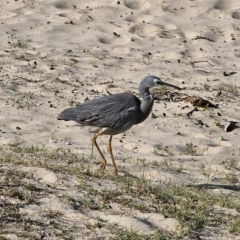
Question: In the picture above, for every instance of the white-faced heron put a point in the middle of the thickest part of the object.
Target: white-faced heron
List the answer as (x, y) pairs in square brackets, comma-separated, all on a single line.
[(114, 114)]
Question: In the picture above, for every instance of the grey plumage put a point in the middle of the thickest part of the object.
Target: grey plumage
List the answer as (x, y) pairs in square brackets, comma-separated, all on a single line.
[(105, 111), (115, 113)]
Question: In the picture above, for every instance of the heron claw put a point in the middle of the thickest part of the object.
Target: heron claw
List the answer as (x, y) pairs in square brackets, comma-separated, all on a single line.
[(102, 163)]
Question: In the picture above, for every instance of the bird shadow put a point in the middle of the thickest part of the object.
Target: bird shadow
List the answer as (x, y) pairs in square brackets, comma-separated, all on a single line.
[(215, 186), (125, 173)]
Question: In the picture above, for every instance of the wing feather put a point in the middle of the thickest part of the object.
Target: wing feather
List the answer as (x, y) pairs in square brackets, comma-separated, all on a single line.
[(112, 111)]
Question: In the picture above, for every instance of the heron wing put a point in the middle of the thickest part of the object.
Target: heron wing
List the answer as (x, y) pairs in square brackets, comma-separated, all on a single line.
[(112, 111)]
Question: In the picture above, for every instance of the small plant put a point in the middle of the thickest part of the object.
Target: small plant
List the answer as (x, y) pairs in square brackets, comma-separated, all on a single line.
[(235, 225), (206, 86), (99, 222), (132, 234), (200, 123), (18, 43), (217, 123), (231, 178), (142, 162), (53, 213), (216, 30), (190, 149), (22, 100), (19, 47), (153, 115), (167, 165), (230, 163), (72, 103), (160, 91)]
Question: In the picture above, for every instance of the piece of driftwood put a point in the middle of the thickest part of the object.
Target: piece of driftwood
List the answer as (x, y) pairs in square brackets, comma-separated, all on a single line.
[(196, 101)]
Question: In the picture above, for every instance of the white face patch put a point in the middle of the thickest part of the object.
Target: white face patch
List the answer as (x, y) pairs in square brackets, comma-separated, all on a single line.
[(157, 81)]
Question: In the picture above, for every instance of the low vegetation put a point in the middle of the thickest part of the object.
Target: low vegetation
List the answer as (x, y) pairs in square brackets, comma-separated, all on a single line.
[(197, 208)]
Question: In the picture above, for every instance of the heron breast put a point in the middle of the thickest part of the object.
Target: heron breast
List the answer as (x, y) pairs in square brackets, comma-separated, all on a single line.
[(114, 131)]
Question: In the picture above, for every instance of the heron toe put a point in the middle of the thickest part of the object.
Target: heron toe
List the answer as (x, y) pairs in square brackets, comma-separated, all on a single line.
[(102, 163)]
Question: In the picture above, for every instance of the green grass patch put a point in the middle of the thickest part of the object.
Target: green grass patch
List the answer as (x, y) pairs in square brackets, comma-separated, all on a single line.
[(196, 209)]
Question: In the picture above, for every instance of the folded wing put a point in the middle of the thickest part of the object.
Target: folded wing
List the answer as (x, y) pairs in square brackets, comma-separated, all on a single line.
[(112, 111)]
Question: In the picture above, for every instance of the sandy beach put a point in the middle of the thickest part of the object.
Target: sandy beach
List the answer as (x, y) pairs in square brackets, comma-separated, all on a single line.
[(58, 54)]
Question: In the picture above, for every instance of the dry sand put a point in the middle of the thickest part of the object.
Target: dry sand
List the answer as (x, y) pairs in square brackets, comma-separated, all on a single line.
[(58, 53)]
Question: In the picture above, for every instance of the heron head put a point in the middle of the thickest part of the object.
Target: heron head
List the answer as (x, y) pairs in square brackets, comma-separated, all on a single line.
[(151, 81), (157, 81)]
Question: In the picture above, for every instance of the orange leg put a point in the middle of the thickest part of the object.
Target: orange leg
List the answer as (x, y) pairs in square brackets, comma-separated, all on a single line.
[(103, 160), (109, 148)]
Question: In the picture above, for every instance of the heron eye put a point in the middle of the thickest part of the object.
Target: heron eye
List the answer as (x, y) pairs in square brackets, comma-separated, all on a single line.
[(157, 81)]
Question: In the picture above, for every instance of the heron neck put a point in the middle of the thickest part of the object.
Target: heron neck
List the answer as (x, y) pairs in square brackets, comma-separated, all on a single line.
[(146, 105), (145, 94)]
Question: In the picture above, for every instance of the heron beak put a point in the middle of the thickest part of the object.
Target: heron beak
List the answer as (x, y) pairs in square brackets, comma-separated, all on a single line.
[(170, 85)]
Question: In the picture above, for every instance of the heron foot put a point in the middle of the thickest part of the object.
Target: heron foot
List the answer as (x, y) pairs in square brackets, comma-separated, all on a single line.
[(103, 164)]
